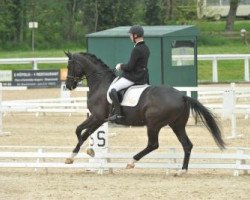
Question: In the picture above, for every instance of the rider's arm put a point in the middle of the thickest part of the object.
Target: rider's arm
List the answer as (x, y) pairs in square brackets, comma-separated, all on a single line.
[(132, 61)]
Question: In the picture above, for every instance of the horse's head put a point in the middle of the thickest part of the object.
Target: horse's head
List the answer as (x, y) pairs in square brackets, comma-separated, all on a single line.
[(75, 71), (86, 64)]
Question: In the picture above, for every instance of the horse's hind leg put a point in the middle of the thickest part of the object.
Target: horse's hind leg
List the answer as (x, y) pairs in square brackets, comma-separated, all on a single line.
[(153, 134), (187, 145)]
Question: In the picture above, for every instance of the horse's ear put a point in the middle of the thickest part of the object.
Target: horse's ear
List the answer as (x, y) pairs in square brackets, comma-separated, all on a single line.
[(68, 54)]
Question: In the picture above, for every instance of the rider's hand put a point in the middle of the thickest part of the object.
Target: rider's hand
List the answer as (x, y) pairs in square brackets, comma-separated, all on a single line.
[(118, 67)]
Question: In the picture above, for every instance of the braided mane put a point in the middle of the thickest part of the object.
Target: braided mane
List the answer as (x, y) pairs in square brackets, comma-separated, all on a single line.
[(94, 59)]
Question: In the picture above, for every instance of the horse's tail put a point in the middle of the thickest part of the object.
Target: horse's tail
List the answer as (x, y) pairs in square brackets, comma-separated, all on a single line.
[(208, 119)]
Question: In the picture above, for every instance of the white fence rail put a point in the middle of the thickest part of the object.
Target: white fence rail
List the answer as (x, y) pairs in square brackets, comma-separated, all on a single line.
[(33, 61), (237, 159), (216, 57), (210, 57), (228, 107), (2, 133)]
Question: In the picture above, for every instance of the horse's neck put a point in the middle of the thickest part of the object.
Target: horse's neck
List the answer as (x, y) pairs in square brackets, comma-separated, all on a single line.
[(99, 77), (99, 83)]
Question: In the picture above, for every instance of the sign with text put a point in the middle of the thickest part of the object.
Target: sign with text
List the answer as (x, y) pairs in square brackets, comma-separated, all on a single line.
[(36, 78)]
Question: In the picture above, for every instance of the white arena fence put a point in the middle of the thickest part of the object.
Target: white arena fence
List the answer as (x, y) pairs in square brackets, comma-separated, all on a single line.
[(2, 133), (233, 101), (229, 102), (214, 58), (63, 104), (236, 159)]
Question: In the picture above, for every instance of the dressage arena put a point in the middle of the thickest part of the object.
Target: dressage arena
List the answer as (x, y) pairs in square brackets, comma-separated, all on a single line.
[(57, 129)]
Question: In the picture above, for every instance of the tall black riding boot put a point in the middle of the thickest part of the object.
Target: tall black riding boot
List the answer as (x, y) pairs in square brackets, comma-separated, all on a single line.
[(118, 113)]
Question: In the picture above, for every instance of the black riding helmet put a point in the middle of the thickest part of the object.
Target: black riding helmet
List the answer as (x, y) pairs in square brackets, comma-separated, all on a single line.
[(137, 29)]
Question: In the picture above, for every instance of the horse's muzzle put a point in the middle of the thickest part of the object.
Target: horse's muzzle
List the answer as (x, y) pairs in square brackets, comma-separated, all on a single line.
[(71, 85)]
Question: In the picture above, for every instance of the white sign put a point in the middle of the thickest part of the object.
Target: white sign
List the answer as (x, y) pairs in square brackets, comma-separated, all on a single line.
[(5, 75), (33, 24), (99, 140), (228, 104)]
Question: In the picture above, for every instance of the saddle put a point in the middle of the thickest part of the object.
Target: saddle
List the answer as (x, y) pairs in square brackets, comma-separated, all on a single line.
[(130, 96)]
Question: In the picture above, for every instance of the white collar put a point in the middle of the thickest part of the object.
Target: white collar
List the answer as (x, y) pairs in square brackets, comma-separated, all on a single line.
[(138, 42)]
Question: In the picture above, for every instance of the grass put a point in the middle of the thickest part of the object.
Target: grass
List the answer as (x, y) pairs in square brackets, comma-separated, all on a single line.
[(219, 26), (36, 54), (228, 70)]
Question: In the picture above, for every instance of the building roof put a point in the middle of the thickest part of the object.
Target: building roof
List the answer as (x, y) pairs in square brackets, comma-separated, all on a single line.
[(149, 31)]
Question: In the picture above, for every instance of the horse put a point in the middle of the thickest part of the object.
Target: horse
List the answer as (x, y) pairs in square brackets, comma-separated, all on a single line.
[(158, 106)]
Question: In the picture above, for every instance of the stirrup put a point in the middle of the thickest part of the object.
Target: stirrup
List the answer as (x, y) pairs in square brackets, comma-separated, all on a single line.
[(115, 117)]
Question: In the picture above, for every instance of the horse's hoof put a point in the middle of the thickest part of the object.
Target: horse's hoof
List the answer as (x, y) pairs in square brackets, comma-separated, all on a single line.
[(69, 161), (181, 172), (130, 166), (90, 152)]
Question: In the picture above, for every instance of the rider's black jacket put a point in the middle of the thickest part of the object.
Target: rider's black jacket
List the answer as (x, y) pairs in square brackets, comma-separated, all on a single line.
[(136, 69)]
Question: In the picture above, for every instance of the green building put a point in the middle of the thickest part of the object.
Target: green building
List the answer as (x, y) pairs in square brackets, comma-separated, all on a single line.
[(173, 58)]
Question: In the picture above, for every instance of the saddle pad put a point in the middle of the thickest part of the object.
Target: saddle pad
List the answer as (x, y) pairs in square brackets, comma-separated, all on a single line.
[(132, 95)]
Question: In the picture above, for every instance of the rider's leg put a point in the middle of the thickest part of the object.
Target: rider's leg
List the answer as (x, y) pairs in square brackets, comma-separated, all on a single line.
[(114, 97), (113, 89)]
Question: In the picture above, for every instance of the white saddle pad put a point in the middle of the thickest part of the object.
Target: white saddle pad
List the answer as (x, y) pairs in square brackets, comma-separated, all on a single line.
[(132, 95)]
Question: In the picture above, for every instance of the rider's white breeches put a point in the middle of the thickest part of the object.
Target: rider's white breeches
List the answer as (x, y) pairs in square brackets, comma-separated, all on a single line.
[(120, 84)]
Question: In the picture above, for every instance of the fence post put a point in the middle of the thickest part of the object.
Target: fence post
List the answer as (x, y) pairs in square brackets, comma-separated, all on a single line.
[(239, 162), (246, 67), (1, 108), (229, 101), (215, 70), (2, 133), (34, 65)]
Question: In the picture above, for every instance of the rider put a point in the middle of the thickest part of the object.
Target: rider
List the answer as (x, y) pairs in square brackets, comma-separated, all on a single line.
[(134, 72)]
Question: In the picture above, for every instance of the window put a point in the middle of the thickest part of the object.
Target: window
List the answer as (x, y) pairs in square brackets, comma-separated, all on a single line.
[(183, 52)]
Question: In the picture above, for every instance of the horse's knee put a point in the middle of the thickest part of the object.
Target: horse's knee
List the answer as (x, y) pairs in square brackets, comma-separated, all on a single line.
[(153, 146), (78, 130)]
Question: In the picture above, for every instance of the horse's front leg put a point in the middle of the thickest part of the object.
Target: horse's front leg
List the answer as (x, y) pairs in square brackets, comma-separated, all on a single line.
[(91, 124), (85, 125)]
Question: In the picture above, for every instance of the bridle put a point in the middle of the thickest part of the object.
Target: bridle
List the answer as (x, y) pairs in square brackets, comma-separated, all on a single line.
[(74, 77)]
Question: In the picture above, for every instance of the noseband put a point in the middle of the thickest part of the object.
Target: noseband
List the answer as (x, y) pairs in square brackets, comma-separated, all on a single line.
[(75, 78)]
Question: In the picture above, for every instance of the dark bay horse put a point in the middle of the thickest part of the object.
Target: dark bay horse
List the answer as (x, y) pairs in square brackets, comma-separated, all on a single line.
[(158, 106)]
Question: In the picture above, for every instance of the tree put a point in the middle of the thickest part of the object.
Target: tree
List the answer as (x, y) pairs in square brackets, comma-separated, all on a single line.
[(153, 12), (168, 9), (100, 15), (12, 20), (231, 15)]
